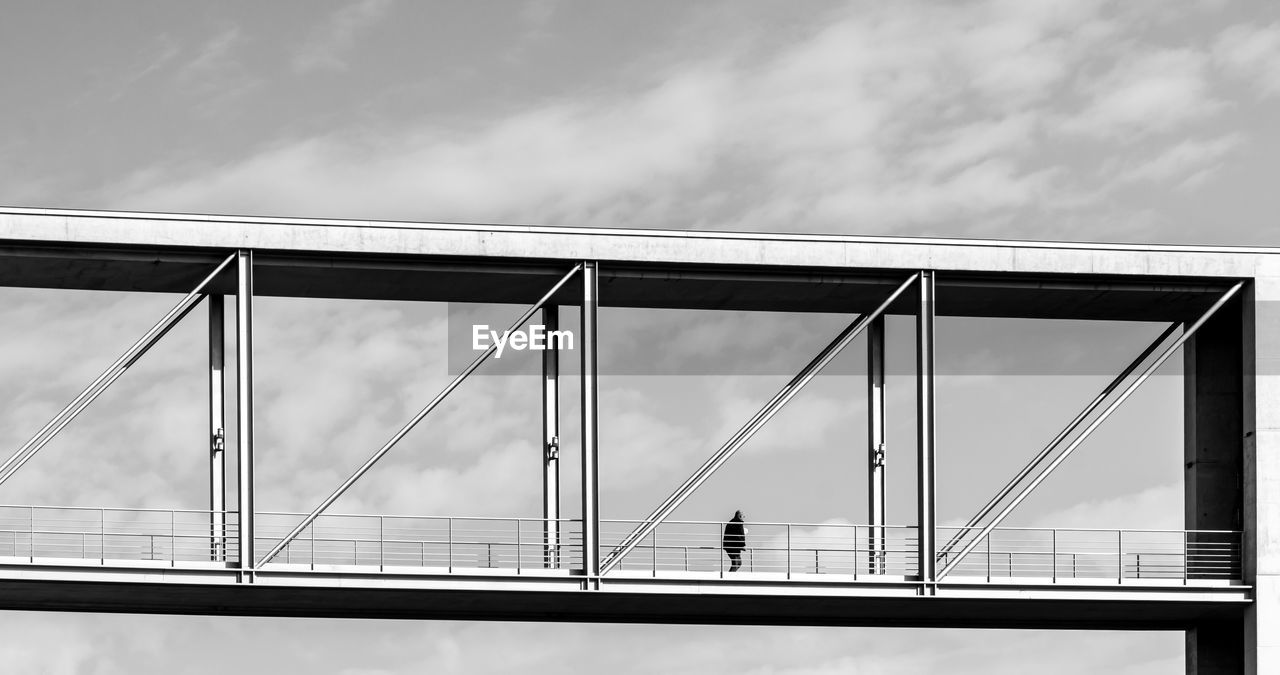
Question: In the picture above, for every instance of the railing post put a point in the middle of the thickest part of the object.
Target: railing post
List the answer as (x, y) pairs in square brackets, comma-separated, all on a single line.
[(720, 550), (450, 547), (1120, 555), (517, 545), (102, 536), (789, 550), (382, 545), (173, 538), (1054, 573), (1186, 558), (655, 551), (988, 558)]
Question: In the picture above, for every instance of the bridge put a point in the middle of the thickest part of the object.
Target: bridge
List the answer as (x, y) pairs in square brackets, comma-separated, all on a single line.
[(1216, 579)]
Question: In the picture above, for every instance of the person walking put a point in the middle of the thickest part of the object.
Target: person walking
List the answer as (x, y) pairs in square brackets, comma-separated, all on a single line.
[(735, 540)]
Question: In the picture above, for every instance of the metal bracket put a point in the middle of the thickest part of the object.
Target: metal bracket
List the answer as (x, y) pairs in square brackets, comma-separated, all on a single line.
[(877, 459), (553, 448), (219, 442)]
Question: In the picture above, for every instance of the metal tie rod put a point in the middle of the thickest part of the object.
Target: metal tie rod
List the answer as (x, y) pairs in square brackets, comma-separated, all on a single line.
[(109, 376), (751, 427), (1062, 435), (373, 459), (1133, 386)]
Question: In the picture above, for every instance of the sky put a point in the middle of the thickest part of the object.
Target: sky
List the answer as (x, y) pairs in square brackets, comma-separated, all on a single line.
[(1136, 121)]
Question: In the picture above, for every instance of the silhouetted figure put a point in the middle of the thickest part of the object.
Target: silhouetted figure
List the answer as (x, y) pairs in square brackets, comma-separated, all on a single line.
[(735, 539)]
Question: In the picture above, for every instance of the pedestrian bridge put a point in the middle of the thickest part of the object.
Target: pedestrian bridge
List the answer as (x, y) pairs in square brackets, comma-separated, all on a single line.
[(432, 546), (1217, 579)]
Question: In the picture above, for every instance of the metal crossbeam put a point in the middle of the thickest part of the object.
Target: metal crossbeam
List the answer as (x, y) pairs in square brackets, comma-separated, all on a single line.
[(386, 447), (109, 376), (1057, 440), (1133, 386), (753, 425)]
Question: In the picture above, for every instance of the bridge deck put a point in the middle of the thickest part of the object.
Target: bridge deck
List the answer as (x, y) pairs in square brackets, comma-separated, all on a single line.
[(679, 551), (173, 561)]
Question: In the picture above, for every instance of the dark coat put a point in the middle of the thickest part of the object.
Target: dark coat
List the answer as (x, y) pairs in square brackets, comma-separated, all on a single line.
[(735, 535)]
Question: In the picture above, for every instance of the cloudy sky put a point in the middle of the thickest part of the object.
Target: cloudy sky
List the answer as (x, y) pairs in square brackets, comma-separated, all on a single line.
[(1084, 120)]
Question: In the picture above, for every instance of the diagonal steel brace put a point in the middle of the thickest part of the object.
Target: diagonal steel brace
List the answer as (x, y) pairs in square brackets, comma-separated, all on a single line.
[(373, 459), (109, 376), (1133, 386), (750, 428), (1057, 441)]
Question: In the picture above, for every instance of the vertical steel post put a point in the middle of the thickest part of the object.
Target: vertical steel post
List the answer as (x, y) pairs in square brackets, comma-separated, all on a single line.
[(244, 408), (925, 439), (551, 440), (875, 444), (590, 422), (217, 429), (1120, 556)]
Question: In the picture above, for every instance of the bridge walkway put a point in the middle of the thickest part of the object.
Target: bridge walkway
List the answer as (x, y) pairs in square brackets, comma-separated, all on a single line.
[(193, 539)]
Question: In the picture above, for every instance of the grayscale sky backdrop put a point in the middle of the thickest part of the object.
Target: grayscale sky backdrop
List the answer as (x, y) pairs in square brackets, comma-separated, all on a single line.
[(1142, 120)]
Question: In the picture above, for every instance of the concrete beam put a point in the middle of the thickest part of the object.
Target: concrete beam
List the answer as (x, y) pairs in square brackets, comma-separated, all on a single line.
[(617, 246)]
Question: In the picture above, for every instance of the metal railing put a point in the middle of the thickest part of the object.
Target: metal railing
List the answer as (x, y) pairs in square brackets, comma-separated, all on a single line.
[(437, 542), (1102, 555), (113, 535), (444, 544), (782, 548)]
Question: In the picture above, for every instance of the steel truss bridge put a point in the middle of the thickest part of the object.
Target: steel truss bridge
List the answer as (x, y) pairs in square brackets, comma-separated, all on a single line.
[(1216, 579)]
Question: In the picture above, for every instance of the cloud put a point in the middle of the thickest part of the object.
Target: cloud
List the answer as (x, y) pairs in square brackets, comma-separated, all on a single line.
[(327, 47), (909, 117), (1251, 53), (1157, 507), (215, 75), (1187, 163), (1148, 93), (110, 644), (847, 125)]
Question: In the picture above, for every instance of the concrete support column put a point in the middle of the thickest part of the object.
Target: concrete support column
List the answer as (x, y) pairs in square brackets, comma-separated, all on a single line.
[(590, 423), (1214, 423), (1261, 471), (1233, 469), (1214, 427), (551, 441)]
